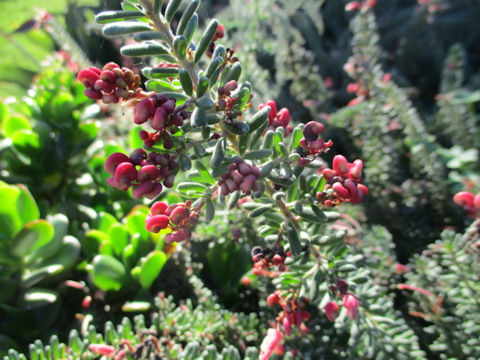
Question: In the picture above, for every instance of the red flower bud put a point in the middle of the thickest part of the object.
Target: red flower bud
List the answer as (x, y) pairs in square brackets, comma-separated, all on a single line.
[(148, 172), (272, 299), (177, 236), (463, 198), (159, 119), (125, 173), (143, 111), (331, 310), (158, 208), (350, 303), (113, 161), (156, 223), (340, 165), (102, 349)]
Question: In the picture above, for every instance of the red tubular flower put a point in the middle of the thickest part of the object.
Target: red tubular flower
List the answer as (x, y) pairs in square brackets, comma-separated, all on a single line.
[(350, 303), (102, 349), (270, 343), (331, 310)]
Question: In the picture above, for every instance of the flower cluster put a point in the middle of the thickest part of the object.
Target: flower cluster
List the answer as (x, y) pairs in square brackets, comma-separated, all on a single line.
[(470, 202), (164, 117), (225, 101), (219, 34), (349, 302), (240, 176), (293, 312), (110, 84), (276, 118), (146, 179), (265, 258), (343, 182), (312, 144), (177, 217)]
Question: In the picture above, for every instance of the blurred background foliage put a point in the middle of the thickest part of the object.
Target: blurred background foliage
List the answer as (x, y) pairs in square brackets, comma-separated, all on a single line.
[(414, 121)]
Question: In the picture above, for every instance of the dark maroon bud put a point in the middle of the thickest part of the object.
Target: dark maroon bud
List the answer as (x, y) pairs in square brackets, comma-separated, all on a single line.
[(232, 167), (169, 106), (148, 143), (158, 121), (215, 136), (108, 99), (231, 85), (244, 169), (224, 189), (113, 161), (121, 83), (157, 189), (164, 172), (255, 171), (184, 114), (221, 105), (161, 159), (125, 173), (342, 286), (104, 86), (143, 111), (167, 142), (129, 75), (221, 91), (231, 185), (137, 156), (312, 129), (143, 135), (142, 189), (121, 93), (177, 236), (172, 164), (148, 172), (237, 177), (159, 99), (247, 184), (92, 94), (177, 120), (169, 180)]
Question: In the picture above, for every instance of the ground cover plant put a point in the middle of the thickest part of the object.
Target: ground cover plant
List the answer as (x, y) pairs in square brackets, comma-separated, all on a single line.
[(167, 208)]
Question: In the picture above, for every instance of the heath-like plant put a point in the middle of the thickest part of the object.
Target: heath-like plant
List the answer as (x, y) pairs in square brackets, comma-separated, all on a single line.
[(197, 123)]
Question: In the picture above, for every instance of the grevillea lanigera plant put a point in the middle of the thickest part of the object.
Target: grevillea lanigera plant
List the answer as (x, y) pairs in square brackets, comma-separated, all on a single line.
[(198, 119)]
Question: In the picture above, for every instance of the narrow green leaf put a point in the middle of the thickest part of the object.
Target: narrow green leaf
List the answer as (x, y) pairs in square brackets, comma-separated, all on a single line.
[(260, 210), (258, 154), (202, 86), (144, 49), (259, 119), (198, 117), (160, 86), (219, 52), (191, 28), (204, 173), (234, 73), (210, 211), (205, 40), (117, 15), (180, 45), (243, 143), (187, 14), (214, 64), (191, 186), (233, 199), (218, 154), (162, 72), (186, 81), (149, 35), (125, 27), (205, 102), (171, 9)]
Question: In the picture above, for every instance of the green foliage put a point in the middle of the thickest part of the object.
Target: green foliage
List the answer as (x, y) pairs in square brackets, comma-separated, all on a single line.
[(129, 256), (35, 254), (444, 288)]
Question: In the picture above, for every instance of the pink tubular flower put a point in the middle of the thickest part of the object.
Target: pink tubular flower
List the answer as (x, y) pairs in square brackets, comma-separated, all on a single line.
[(102, 349), (270, 343), (331, 310), (350, 303)]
